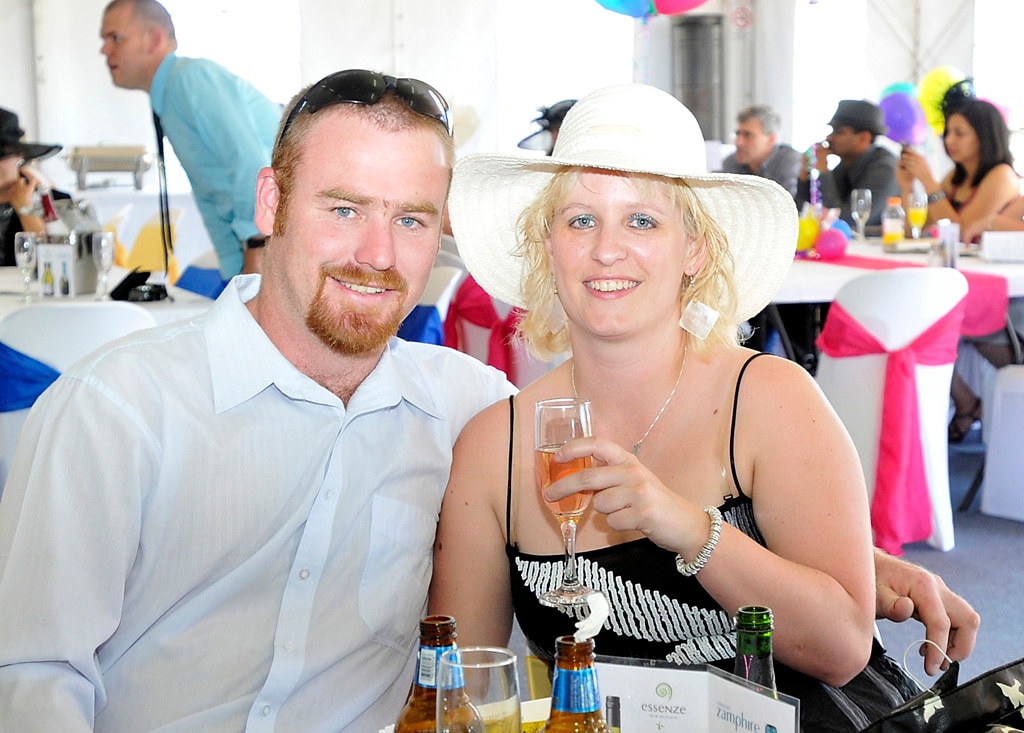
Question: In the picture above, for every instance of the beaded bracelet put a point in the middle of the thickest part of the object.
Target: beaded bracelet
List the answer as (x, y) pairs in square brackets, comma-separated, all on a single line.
[(692, 568)]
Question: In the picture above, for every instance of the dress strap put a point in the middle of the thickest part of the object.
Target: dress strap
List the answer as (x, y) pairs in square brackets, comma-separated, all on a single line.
[(508, 488), (732, 427)]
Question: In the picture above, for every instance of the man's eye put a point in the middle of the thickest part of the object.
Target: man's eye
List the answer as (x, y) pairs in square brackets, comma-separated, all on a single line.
[(344, 212), (583, 221), (642, 221), (408, 222)]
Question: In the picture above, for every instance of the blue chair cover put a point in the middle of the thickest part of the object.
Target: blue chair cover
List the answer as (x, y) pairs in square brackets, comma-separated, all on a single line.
[(202, 280), (423, 325), (23, 379)]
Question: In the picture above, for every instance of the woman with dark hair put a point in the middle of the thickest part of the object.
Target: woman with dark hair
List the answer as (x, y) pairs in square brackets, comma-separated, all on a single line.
[(981, 185), (982, 180)]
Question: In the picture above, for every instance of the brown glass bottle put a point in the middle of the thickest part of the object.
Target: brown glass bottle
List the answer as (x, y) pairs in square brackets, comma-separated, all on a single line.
[(437, 635), (754, 661), (575, 698)]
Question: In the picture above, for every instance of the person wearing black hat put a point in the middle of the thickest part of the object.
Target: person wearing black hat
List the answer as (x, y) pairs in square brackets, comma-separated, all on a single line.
[(550, 122), (18, 184), (863, 164)]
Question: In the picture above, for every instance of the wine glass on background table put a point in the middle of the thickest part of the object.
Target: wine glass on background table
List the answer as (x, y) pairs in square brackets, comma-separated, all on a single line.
[(103, 256), (25, 257), (478, 691), (860, 209), (917, 212), (557, 422)]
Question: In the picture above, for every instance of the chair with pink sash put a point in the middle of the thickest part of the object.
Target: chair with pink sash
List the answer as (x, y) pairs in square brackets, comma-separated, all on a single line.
[(887, 353)]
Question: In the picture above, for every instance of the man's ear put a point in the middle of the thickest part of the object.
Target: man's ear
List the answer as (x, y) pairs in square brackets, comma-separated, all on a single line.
[(267, 197)]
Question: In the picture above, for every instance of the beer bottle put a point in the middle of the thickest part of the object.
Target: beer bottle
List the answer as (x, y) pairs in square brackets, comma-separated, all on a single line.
[(575, 699), (437, 635), (754, 662)]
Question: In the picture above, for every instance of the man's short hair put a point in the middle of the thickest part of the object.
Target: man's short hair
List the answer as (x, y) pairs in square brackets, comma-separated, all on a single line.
[(149, 13), (768, 117)]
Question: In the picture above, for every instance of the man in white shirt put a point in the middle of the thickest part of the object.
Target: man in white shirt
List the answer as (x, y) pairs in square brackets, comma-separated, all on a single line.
[(227, 523)]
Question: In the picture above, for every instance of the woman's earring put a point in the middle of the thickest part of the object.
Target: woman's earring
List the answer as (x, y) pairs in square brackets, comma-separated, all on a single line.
[(698, 318), (554, 284)]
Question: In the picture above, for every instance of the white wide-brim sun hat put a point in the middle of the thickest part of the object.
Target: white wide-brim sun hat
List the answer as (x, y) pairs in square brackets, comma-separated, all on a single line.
[(632, 128)]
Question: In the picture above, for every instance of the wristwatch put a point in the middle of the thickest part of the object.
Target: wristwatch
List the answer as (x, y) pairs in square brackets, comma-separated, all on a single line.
[(254, 242)]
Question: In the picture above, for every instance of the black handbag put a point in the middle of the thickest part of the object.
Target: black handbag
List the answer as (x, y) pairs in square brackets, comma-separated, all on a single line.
[(990, 703)]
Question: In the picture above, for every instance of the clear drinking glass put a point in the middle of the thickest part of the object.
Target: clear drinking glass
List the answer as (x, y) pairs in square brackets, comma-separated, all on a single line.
[(478, 690), (917, 212), (103, 256), (557, 422), (860, 209), (25, 257)]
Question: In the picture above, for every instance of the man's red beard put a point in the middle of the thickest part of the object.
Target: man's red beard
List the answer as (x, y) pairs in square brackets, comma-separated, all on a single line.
[(356, 333)]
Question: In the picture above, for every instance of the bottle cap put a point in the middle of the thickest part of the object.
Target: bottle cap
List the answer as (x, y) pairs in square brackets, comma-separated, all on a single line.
[(895, 201)]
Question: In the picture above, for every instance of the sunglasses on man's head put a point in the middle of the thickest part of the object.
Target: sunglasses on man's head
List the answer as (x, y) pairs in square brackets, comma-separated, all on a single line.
[(358, 86)]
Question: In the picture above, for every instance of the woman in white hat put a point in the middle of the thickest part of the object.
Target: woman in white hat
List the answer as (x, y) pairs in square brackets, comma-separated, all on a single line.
[(623, 249)]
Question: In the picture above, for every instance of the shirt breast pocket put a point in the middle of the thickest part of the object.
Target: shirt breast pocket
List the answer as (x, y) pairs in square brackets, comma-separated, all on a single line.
[(396, 578)]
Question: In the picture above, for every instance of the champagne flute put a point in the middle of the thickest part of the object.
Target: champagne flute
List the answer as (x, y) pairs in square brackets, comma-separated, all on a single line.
[(860, 209), (477, 691), (557, 422), (917, 212), (25, 256), (103, 256)]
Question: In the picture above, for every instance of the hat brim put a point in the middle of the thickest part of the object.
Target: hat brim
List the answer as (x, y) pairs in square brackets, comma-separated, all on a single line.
[(490, 192), (29, 151), (540, 140)]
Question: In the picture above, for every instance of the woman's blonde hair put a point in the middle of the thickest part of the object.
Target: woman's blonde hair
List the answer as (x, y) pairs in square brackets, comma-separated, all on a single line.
[(545, 328)]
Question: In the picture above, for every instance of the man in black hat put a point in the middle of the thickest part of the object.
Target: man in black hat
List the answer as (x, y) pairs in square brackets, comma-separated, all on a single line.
[(17, 184), (863, 164), (550, 122)]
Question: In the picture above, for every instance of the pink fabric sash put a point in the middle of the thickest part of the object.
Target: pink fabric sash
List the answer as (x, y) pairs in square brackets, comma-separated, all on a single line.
[(901, 508), (988, 296), (472, 304)]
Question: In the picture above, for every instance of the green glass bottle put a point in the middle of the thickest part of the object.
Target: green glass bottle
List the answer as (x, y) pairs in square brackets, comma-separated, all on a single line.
[(754, 663)]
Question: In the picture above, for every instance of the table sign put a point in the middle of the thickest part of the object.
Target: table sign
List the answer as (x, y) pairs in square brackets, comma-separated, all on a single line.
[(65, 266), (655, 696)]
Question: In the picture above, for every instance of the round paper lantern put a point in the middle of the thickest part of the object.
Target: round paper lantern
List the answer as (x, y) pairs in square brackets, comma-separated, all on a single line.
[(632, 8), (843, 227), (807, 233), (674, 7), (904, 118), (830, 244), (932, 90)]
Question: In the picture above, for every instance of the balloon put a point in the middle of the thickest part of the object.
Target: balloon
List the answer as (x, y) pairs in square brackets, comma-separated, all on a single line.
[(806, 233), (672, 7), (904, 118), (932, 90), (632, 8), (830, 244), (843, 227), (900, 86)]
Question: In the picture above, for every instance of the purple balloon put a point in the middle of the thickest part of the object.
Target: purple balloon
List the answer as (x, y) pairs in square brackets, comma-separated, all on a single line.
[(632, 8), (905, 118)]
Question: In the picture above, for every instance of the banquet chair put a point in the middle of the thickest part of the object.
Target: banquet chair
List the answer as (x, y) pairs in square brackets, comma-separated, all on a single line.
[(887, 375), (426, 321), (147, 252), (58, 335)]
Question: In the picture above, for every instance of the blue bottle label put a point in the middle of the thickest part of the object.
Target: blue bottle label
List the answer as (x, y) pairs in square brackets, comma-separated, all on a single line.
[(428, 664), (575, 691)]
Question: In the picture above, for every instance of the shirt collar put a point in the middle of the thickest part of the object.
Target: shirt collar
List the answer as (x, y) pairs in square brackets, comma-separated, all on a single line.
[(158, 87), (244, 362)]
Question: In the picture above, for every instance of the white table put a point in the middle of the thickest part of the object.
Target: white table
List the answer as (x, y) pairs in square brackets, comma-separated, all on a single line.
[(818, 282), (186, 304)]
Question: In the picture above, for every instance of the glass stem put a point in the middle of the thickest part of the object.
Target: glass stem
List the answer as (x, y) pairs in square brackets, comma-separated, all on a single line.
[(569, 579)]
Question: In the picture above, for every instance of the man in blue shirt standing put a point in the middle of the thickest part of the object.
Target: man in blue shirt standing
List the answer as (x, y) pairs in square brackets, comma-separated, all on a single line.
[(221, 127)]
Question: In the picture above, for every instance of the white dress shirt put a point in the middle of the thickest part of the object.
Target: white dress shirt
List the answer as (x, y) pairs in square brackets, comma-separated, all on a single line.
[(196, 536)]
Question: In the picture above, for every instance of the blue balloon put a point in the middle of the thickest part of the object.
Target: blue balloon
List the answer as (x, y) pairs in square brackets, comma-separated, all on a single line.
[(843, 227), (632, 8)]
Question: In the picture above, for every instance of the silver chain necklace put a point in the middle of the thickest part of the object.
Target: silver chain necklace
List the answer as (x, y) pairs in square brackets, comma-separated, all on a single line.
[(636, 446)]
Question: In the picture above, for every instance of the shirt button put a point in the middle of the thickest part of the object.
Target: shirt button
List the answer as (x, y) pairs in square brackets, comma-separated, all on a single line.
[(265, 711), (304, 574), (329, 494)]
